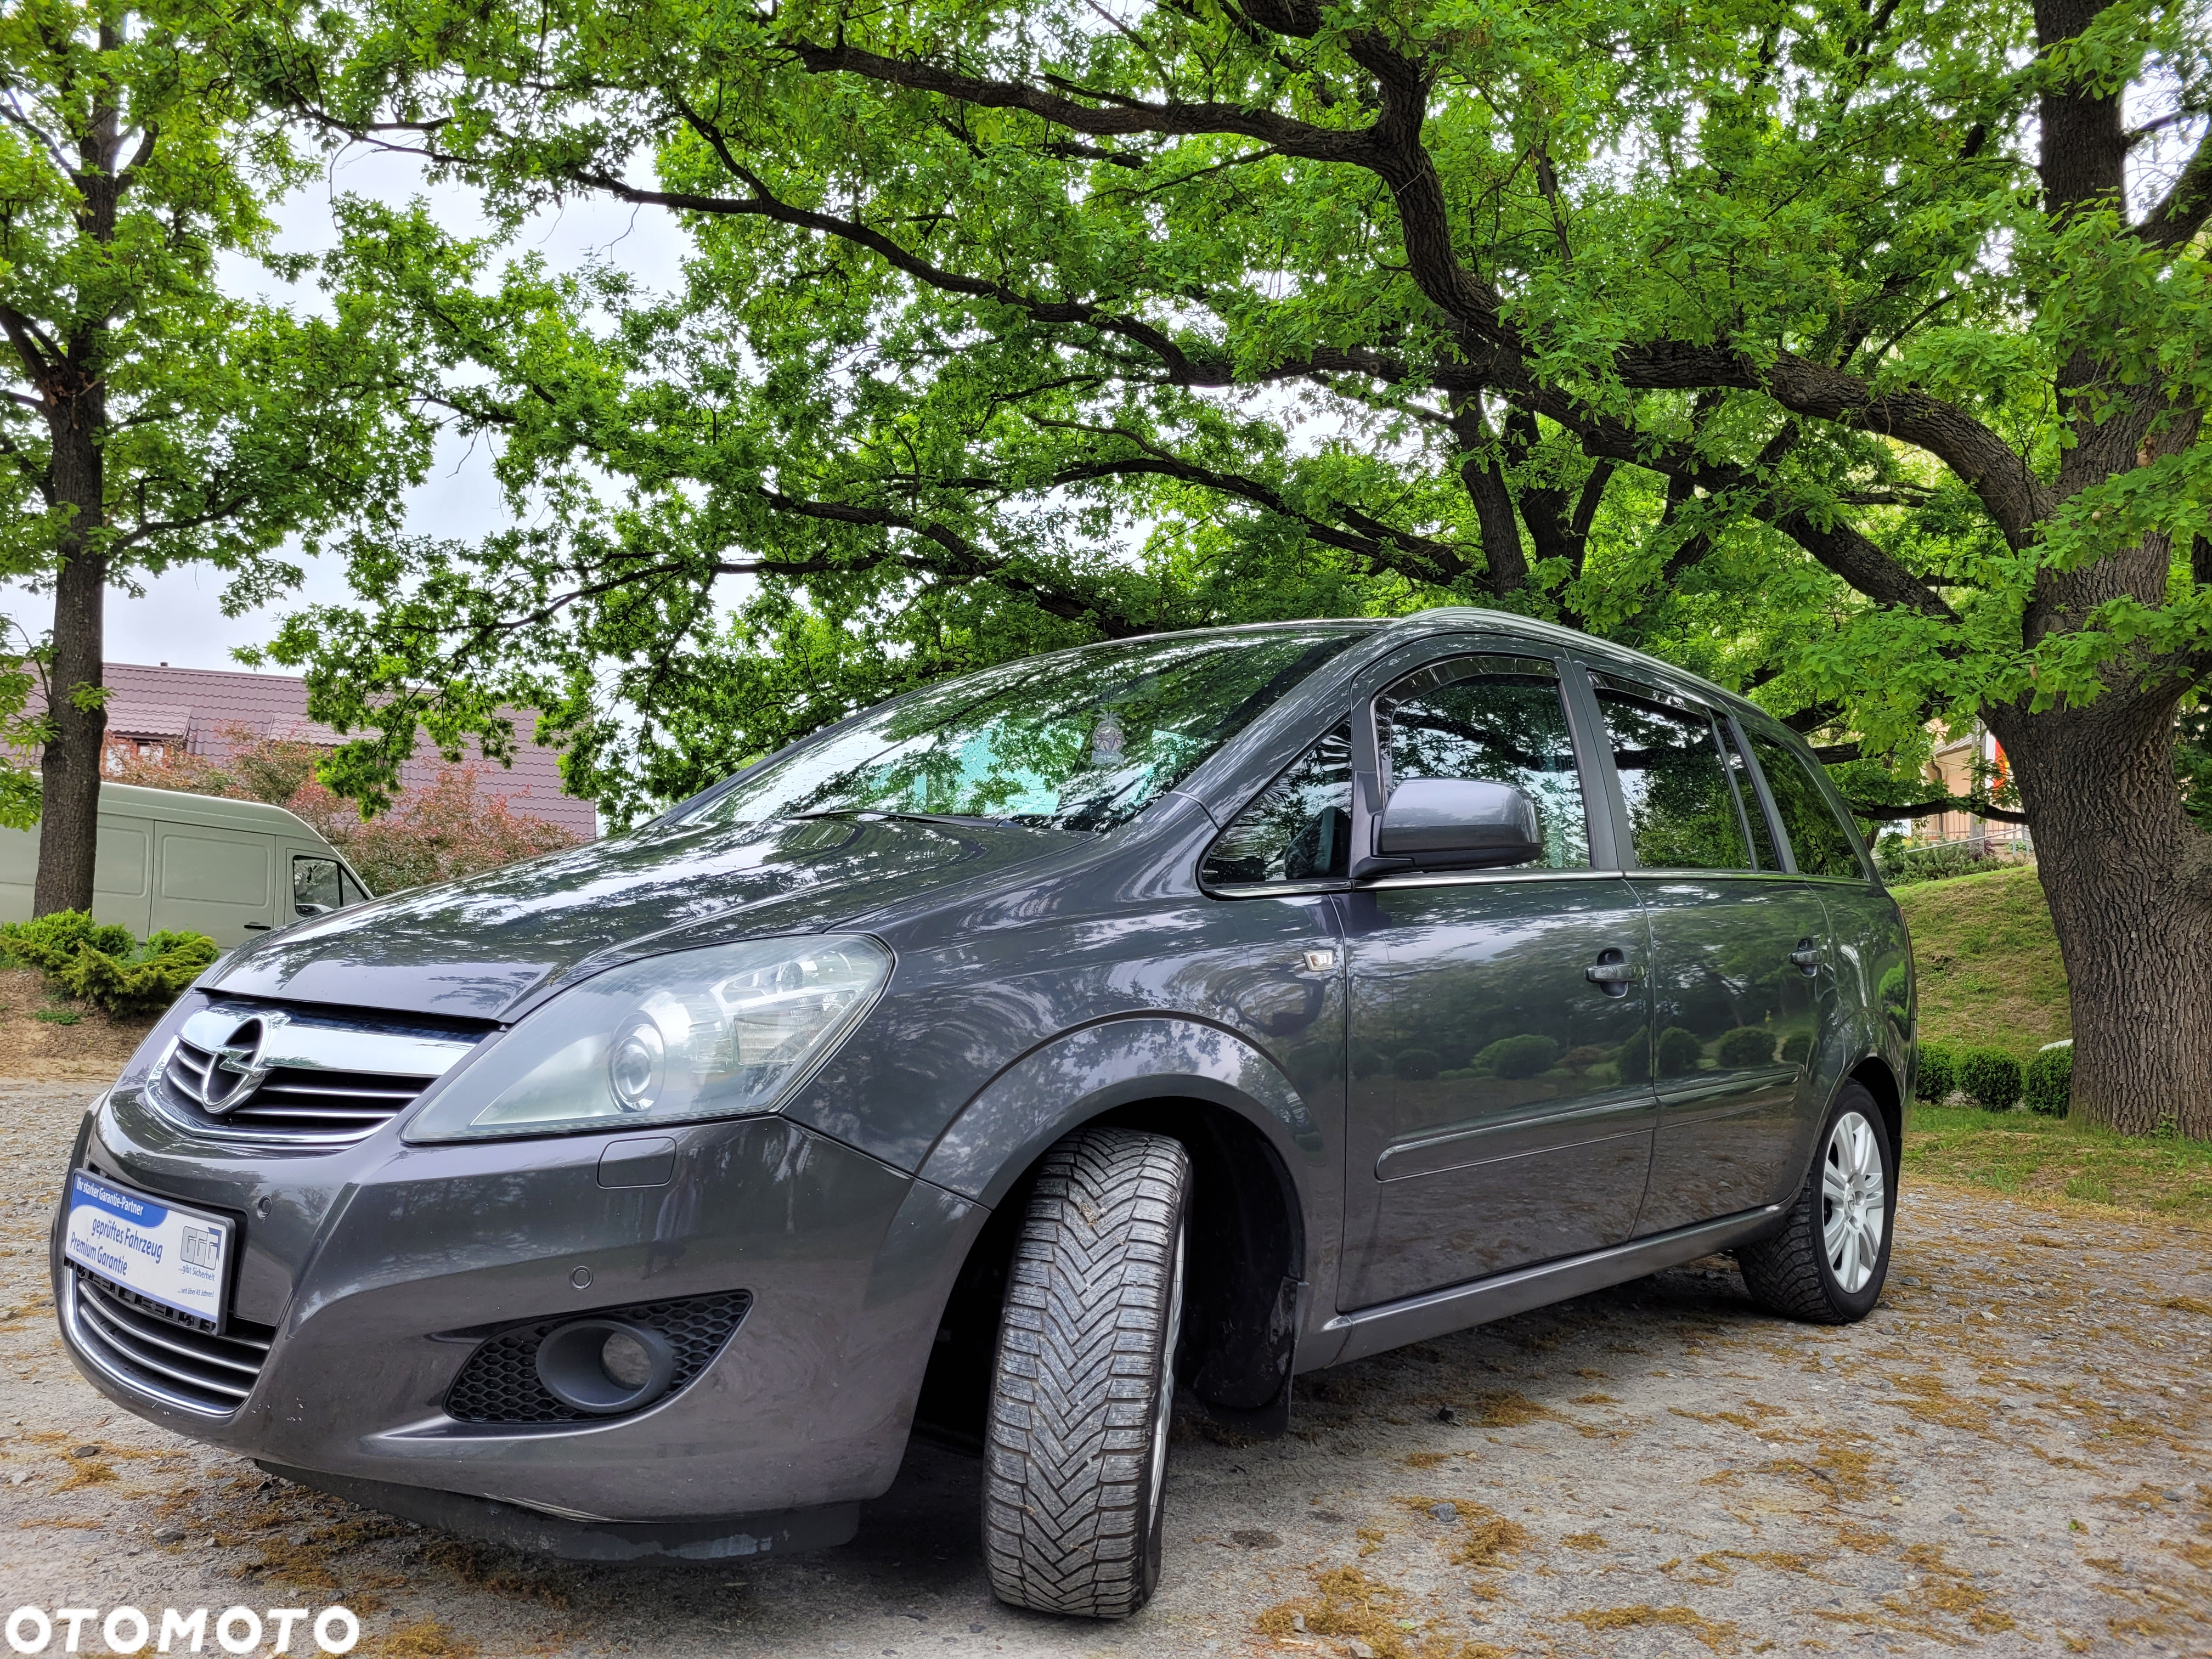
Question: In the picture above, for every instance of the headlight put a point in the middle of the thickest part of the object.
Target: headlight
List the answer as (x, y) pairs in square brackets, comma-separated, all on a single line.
[(697, 1034)]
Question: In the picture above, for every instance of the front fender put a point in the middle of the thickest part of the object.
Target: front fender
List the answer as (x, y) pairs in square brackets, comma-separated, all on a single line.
[(1086, 1073)]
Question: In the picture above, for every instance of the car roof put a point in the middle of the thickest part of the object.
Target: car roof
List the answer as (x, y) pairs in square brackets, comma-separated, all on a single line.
[(1457, 618), (1463, 618)]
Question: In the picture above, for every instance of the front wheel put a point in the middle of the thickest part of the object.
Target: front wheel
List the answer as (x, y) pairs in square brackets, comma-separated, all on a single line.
[(1828, 1262), (1083, 1388)]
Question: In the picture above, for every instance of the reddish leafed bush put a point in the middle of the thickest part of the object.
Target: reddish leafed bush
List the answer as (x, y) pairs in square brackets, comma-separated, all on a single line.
[(453, 827)]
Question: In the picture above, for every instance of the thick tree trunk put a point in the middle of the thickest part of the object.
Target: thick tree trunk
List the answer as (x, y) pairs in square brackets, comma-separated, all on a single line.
[(71, 769), (2129, 883)]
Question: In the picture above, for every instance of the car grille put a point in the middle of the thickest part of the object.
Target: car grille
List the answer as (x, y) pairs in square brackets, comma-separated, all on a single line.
[(325, 1108), (499, 1384), (147, 1346), (275, 1078)]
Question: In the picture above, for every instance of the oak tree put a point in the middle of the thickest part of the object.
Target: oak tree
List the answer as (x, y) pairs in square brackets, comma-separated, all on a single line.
[(1852, 352), (149, 416)]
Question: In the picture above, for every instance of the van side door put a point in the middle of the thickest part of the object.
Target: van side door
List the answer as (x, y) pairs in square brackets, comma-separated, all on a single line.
[(222, 883), (1738, 941), (1500, 1105)]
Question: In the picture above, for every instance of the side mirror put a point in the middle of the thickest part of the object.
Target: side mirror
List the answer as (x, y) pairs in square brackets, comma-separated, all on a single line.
[(302, 909), (1459, 824)]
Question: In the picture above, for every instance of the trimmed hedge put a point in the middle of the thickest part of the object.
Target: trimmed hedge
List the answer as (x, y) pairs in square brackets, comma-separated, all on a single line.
[(102, 963), (1796, 1048), (1530, 1055), (1746, 1045), (2049, 1084), (1990, 1078), (1938, 1076), (1680, 1052)]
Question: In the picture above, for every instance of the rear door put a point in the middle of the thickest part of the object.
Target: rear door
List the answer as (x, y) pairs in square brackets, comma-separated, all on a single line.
[(1500, 1108), (1738, 943)]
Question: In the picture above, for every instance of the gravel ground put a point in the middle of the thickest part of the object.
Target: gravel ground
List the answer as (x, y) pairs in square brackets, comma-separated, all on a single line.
[(2008, 1456)]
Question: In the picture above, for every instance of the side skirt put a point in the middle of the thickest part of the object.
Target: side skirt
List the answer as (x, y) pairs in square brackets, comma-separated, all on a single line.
[(1433, 1313)]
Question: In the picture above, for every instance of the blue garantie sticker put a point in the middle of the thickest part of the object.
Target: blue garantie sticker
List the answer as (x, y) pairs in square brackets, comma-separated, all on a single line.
[(163, 1253)]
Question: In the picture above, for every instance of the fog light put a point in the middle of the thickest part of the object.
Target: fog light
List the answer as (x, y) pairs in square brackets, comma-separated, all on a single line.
[(606, 1366)]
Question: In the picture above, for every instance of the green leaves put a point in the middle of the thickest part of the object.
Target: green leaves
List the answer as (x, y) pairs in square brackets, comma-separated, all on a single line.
[(1741, 333)]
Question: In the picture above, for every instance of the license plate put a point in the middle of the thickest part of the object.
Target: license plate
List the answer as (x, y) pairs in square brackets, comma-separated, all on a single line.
[(172, 1257)]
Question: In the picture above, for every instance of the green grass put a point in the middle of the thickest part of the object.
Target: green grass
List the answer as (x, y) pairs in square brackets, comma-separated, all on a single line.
[(2055, 1158), (1988, 960), (1991, 977)]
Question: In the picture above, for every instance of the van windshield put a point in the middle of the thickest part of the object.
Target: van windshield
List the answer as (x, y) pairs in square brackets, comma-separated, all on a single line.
[(1083, 740)]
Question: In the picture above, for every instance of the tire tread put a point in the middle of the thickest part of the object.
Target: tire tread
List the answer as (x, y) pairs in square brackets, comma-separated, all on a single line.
[(1785, 1273), (1068, 1442)]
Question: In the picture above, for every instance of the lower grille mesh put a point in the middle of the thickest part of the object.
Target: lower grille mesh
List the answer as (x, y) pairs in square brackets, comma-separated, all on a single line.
[(499, 1384), (151, 1348)]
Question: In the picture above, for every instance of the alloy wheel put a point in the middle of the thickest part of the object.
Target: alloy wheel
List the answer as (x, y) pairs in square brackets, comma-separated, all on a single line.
[(1854, 1202)]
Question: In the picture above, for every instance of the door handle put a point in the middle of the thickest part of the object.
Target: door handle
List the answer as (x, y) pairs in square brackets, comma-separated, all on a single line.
[(1807, 955), (1613, 973)]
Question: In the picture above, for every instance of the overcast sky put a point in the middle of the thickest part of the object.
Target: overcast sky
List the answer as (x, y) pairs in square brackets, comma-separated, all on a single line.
[(180, 621)]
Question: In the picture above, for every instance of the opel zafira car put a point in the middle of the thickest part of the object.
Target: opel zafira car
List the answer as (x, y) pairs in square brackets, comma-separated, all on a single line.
[(1191, 1011)]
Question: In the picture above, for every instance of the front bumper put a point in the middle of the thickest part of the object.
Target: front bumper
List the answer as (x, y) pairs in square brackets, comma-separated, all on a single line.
[(380, 1269)]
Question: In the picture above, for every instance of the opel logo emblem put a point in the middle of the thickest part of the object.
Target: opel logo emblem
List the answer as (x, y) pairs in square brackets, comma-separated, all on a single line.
[(241, 1053), (237, 1070)]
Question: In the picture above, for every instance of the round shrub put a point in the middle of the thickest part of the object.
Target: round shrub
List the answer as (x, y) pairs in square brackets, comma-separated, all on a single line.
[(1530, 1055), (1796, 1048), (1680, 1052), (1938, 1076), (1418, 1065), (1634, 1059), (1579, 1060), (1990, 1078), (2050, 1080), (1746, 1045)]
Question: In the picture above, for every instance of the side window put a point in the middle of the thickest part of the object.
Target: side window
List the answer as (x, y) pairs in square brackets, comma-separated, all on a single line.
[(1298, 830), (351, 891), (1681, 800), (315, 881), (1747, 795), (1818, 839), (1499, 717)]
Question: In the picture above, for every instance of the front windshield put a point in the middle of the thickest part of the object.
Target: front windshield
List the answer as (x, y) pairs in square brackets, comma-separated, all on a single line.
[(1085, 740)]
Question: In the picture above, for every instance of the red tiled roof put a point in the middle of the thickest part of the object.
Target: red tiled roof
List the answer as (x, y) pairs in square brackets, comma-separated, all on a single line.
[(199, 704)]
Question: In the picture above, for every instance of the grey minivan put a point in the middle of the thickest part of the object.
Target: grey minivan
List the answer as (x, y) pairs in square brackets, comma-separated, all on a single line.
[(1185, 1012)]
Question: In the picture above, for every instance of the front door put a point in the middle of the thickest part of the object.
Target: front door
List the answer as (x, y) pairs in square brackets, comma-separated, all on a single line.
[(1500, 1105), (1738, 946)]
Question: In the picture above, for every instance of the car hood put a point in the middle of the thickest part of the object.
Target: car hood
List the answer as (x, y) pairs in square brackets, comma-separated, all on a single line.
[(484, 947)]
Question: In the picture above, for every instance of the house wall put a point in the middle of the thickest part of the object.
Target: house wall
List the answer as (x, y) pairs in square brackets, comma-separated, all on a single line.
[(152, 708)]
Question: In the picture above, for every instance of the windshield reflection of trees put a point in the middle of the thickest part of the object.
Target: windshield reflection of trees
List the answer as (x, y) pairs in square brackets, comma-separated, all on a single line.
[(1080, 741)]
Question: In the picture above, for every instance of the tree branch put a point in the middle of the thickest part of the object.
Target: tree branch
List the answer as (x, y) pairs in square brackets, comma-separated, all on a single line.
[(2177, 220), (1977, 806)]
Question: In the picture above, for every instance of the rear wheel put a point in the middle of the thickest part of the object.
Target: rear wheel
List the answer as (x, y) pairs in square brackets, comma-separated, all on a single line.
[(1828, 1262), (1083, 1388)]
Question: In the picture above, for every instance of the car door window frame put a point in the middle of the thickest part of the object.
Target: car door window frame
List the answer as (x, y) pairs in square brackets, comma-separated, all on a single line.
[(1368, 800), (1638, 683), (1837, 809), (1592, 765)]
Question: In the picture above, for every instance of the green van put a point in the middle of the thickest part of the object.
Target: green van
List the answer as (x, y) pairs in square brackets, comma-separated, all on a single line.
[(202, 864)]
